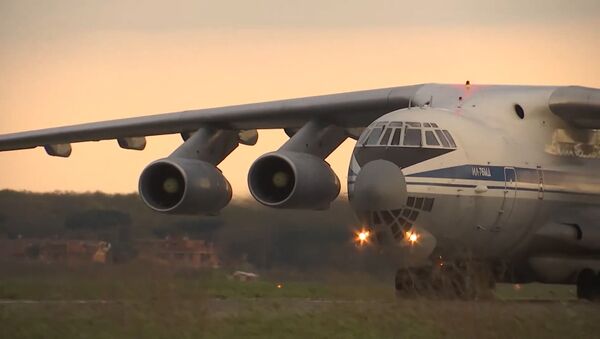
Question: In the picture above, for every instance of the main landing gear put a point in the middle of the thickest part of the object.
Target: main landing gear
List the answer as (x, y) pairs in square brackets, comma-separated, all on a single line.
[(460, 280), (588, 285)]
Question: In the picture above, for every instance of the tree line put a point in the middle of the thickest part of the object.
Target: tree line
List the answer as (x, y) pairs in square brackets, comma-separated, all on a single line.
[(267, 238)]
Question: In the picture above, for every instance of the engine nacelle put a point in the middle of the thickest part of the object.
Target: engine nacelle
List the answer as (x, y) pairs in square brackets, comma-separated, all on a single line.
[(184, 186), (295, 180)]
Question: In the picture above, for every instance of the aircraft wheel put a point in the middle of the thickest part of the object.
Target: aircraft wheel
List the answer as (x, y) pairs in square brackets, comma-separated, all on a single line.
[(412, 282), (471, 281), (588, 285), (403, 283), (447, 282), (453, 281)]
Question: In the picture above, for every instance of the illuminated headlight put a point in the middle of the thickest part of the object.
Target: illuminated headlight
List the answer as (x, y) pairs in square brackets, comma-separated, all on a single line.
[(412, 237), (362, 237)]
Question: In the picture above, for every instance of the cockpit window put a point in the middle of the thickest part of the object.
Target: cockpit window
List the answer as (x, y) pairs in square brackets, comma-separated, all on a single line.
[(363, 137), (374, 136), (442, 138), (447, 134), (406, 134), (386, 136), (396, 137), (412, 137), (430, 139)]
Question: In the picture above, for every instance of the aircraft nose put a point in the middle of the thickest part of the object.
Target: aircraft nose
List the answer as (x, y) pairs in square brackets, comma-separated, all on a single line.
[(380, 201), (380, 185)]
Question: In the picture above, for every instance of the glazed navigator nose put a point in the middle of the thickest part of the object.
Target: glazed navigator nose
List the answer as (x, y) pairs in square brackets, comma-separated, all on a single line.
[(380, 185)]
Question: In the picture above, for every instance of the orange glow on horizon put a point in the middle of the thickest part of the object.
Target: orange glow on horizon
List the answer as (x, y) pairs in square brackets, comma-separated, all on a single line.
[(102, 74)]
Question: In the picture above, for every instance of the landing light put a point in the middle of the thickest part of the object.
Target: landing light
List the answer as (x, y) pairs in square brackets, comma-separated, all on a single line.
[(362, 237), (412, 237)]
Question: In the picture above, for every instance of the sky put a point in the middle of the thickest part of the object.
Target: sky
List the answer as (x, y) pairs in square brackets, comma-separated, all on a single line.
[(72, 61)]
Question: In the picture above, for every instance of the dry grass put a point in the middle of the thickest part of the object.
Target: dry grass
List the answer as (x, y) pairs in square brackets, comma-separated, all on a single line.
[(158, 302)]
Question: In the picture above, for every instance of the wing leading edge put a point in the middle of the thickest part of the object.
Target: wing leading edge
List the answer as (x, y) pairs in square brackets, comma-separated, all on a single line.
[(352, 109)]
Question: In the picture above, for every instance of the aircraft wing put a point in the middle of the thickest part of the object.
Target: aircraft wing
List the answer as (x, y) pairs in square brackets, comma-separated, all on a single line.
[(352, 109), (579, 106)]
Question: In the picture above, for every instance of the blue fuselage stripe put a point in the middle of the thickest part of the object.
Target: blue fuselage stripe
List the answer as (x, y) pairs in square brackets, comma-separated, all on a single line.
[(420, 183), (519, 175)]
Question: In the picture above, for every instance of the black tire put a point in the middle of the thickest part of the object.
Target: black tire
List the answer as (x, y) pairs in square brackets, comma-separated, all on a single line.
[(412, 282), (587, 285), (456, 280), (472, 281)]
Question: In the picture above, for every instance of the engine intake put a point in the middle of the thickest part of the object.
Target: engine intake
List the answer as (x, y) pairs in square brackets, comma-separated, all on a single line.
[(293, 180), (184, 186)]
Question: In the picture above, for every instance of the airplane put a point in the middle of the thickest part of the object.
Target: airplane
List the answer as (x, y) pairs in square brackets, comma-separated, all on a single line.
[(464, 185)]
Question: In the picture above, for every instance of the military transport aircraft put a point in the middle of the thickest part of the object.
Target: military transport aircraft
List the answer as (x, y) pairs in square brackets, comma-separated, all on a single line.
[(464, 184)]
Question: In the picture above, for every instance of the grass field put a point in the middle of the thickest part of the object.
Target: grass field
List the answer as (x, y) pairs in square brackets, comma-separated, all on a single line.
[(137, 301)]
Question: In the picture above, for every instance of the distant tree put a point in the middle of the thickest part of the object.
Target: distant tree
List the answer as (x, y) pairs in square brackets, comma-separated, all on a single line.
[(202, 228), (2, 226), (266, 238), (97, 220)]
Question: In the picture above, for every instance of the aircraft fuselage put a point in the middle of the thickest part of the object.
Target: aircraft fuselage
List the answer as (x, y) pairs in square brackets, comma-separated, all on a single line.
[(480, 171)]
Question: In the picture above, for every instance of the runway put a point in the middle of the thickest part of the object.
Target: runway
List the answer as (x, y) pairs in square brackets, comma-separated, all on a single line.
[(286, 300)]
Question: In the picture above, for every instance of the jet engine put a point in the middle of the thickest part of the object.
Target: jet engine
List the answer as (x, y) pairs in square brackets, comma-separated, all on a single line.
[(285, 179), (184, 186)]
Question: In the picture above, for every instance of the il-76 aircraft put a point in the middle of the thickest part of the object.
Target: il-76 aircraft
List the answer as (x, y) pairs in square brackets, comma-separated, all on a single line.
[(464, 185)]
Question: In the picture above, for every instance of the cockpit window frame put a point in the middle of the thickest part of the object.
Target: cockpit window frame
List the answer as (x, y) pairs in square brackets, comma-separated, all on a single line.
[(373, 140), (400, 133), (442, 138), (385, 139), (430, 139), (408, 133), (363, 137), (378, 127), (394, 134), (450, 138)]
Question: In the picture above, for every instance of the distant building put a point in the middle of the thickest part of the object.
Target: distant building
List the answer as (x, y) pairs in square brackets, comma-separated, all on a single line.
[(179, 251), (55, 250), (182, 252)]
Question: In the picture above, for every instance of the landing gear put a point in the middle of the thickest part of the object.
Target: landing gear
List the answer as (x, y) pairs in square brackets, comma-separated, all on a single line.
[(459, 280), (588, 285)]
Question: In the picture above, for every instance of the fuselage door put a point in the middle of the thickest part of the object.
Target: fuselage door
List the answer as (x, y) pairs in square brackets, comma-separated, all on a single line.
[(540, 173)]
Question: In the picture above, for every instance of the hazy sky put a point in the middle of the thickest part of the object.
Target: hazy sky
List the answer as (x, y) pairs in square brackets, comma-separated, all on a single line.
[(72, 61)]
